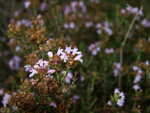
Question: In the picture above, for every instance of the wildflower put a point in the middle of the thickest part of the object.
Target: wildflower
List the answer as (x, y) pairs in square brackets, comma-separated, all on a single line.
[(17, 48), (108, 51), (109, 103), (43, 6), (50, 54), (66, 26), (5, 99), (72, 25), (147, 62), (145, 23), (98, 25), (82, 78), (14, 63), (68, 50), (136, 87), (135, 68), (64, 57), (59, 51), (99, 31), (121, 99), (53, 104), (116, 90), (137, 78), (69, 77), (108, 30), (88, 24), (1, 92), (74, 51), (94, 48), (78, 58), (33, 72), (27, 4), (27, 67), (51, 71), (123, 11), (117, 69), (75, 97)]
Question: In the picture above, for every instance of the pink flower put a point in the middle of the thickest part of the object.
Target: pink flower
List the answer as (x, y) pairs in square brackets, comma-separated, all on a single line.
[(69, 77), (74, 51), (64, 57), (33, 72), (59, 51), (78, 58), (36, 66), (68, 50), (51, 71)]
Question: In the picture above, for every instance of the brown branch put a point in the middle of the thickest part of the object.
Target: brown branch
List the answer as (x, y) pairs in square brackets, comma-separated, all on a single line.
[(123, 44)]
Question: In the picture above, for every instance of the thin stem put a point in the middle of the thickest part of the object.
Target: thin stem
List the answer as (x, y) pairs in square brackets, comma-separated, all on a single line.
[(123, 44)]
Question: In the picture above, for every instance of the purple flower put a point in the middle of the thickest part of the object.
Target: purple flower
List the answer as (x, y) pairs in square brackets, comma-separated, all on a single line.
[(5, 99), (27, 4), (75, 97), (136, 87), (14, 63), (43, 6), (53, 104)]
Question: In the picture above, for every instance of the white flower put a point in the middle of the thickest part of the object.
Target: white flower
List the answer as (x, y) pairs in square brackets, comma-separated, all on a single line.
[(50, 54), (116, 90), (109, 103), (120, 102)]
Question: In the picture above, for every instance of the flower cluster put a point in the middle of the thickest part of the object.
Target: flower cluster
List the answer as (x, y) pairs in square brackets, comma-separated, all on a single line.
[(44, 67), (94, 48), (118, 98), (131, 10)]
